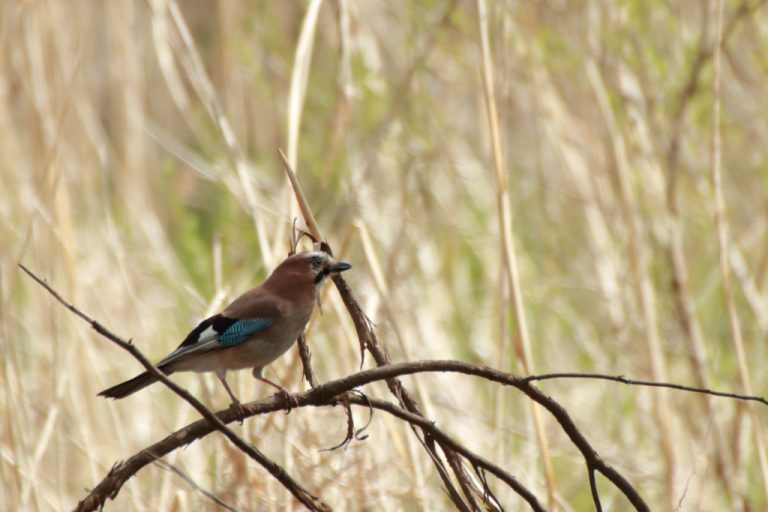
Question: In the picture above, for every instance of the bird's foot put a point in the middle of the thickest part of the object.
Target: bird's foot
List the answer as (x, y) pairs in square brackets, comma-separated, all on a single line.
[(290, 400), (282, 394), (239, 409)]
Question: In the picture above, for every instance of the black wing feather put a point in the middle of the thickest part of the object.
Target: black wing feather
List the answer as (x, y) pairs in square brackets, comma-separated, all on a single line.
[(220, 324)]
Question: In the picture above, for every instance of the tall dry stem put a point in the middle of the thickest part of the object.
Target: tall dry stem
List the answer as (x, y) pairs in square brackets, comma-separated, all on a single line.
[(521, 342), (721, 227)]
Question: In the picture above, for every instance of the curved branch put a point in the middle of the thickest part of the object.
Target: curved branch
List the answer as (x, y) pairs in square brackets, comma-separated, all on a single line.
[(324, 395), (327, 394), (591, 457)]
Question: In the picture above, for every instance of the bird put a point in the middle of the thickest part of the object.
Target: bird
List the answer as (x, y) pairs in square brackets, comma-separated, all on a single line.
[(253, 331)]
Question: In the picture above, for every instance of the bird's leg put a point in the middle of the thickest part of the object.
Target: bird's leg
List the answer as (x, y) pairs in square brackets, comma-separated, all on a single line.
[(235, 402), (282, 393)]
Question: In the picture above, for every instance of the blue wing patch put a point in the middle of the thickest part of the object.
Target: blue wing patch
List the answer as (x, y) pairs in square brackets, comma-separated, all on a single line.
[(241, 330)]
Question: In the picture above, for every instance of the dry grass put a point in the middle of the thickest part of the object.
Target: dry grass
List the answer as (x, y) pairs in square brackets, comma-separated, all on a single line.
[(139, 173)]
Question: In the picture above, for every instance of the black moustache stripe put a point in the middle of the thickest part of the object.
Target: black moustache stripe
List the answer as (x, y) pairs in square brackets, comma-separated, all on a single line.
[(320, 275)]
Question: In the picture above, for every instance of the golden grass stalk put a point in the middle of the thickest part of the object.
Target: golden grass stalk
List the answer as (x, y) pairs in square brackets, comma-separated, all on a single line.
[(689, 322), (721, 227), (643, 285), (302, 59), (200, 80), (522, 341), (299, 78)]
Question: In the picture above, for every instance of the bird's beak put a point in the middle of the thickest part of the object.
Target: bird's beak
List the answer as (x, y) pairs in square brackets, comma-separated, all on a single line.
[(338, 266)]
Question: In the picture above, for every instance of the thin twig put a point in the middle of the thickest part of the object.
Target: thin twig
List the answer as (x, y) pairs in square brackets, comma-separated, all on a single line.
[(166, 465), (97, 497), (491, 502), (593, 489), (646, 383), (304, 353), (306, 361)]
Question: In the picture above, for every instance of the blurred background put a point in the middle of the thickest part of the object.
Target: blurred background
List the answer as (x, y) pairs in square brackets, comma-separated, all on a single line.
[(139, 175)]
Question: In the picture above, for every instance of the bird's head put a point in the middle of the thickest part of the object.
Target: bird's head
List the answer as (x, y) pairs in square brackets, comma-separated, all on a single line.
[(306, 269)]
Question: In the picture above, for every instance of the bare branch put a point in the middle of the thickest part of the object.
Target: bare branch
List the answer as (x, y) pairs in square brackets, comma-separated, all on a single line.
[(304, 353), (306, 361)]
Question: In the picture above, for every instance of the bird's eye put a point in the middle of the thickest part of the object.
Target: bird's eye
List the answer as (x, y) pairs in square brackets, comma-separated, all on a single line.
[(316, 261)]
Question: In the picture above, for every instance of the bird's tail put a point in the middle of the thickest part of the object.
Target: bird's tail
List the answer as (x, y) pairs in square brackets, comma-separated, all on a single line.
[(130, 386)]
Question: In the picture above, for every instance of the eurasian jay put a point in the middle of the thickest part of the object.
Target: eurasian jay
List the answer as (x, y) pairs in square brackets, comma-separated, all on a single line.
[(254, 330)]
